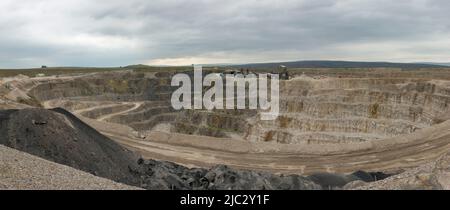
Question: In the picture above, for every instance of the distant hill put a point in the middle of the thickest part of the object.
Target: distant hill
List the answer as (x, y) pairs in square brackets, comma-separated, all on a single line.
[(137, 66), (441, 64), (339, 64)]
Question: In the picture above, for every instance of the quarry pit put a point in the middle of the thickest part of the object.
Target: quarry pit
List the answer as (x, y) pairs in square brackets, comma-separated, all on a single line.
[(330, 121)]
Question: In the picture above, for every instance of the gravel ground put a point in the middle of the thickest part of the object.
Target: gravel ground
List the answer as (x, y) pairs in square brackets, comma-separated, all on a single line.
[(19, 170)]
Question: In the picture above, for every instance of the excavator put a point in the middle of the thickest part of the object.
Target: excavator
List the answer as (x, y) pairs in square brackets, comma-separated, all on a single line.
[(283, 72)]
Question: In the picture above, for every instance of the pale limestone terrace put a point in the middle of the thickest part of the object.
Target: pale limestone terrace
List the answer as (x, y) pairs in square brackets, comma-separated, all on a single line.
[(352, 110), (313, 111)]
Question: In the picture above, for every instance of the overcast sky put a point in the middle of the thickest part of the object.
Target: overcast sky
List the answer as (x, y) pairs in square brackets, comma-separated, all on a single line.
[(168, 32)]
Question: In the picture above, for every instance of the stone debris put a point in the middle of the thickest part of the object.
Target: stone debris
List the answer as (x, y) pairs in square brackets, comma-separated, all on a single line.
[(431, 176)]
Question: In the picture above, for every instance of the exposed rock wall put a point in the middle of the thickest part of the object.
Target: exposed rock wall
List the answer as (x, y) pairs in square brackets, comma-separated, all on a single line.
[(322, 111), (353, 110)]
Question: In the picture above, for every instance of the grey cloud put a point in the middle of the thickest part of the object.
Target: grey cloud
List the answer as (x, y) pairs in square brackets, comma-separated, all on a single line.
[(105, 33)]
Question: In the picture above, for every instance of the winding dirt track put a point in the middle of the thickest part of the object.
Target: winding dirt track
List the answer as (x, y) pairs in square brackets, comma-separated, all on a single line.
[(388, 159), (135, 106)]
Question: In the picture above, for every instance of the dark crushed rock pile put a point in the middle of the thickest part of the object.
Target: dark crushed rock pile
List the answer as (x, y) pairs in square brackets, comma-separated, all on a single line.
[(165, 175), (59, 136), (338, 181)]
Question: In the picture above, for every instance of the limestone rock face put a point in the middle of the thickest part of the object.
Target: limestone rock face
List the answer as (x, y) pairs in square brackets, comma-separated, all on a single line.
[(347, 110), (312, 111)]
